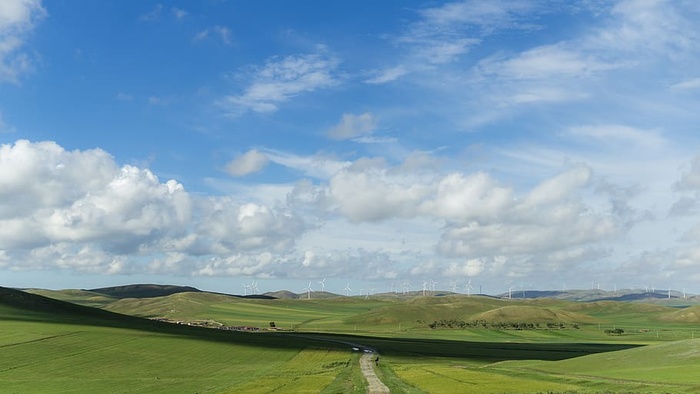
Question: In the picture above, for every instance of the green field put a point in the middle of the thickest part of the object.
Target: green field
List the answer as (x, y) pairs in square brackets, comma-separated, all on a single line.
[(52, 346)]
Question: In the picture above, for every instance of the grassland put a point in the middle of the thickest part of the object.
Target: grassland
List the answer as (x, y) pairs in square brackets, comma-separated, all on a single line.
[(653, 354), (52, 347)]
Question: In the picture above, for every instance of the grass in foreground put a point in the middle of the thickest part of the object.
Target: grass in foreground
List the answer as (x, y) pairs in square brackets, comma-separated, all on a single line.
[(48, 346)]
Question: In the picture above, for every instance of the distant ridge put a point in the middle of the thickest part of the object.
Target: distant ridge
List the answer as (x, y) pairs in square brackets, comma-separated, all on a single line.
[(56, 308), (282, 294), (144, 290)]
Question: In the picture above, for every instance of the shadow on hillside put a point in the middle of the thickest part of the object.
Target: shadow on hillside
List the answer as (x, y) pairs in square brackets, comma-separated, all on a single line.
[(483, 351)]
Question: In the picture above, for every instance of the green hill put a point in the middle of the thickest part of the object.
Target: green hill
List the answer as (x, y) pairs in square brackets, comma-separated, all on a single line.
[(143, 290), (663, 366), (685, 315), (531, 314), (40, 307), (81, 297), (178, 305)]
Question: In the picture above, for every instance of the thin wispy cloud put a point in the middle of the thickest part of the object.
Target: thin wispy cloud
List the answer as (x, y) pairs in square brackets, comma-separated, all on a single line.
[(280, 80), (351, 126)]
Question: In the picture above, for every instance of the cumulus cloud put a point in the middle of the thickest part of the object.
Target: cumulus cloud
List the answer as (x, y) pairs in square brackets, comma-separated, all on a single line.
[(248, 163), (351, 126), (80, 210), (482, 218), (280, 80), (17, 19)]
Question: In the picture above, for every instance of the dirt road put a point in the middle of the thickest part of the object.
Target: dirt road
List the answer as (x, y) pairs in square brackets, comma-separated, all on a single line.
[(374, 385)]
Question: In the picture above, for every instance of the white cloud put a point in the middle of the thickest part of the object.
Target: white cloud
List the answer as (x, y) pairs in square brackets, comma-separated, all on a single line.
[(152, 15), (179, 13), (4, 127), (88, 214), (619, 134), (124, 96), (688, 84), (388, 75), (223, 32), (248, 163), (280, 80), (317, 166), (470, 268), (638, 26), (370, 195), (690, 179), (351, 126), (201, 35), (17, 19), (444, 34), (551, 61)]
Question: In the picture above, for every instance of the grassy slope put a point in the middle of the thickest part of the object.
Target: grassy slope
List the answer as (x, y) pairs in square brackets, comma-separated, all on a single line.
[(81, 297), (661, 368), (51, 346)]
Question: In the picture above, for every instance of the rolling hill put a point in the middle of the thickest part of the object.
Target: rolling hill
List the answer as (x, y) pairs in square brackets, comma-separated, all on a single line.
[(143, 290)]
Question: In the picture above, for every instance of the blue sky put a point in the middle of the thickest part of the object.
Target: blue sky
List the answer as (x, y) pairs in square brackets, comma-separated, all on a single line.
[(516, 144)]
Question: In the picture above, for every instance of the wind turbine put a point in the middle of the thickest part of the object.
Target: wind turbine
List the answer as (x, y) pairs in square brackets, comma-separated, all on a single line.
[(308, 291), (254, 287), (453, 286), (510, 292), (245, 289), (432, 285), (323, 284), (347, 289), (425, 286), (468, 287)]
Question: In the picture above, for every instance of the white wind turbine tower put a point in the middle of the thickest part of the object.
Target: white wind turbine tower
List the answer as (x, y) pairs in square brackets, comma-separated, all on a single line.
[(347, 289), (453, 286), (323, 284), (308, 291), (254, 287), (432, 285), (510, 292), (406, 287), (468, 287), (425, 286), (245, 288)]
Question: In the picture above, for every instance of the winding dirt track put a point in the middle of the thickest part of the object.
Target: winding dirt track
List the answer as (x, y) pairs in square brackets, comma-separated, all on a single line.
[(374, 385)]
